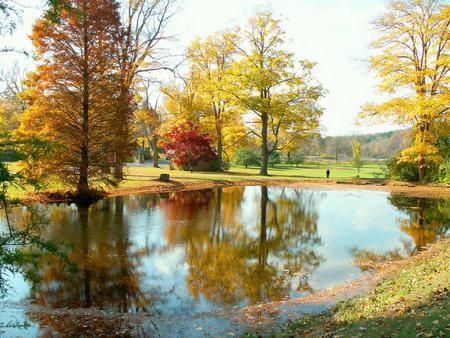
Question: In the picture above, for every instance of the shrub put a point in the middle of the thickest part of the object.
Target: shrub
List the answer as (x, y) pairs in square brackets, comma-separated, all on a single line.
[(247, 157), (274, 158), (444, 172), (187, 146), (402, 171), (296, 158)]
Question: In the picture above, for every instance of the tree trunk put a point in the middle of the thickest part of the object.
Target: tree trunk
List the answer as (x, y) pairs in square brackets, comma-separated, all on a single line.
[(288, 157), (423, 128), (121, 134), (264, 145), (83, 178), (118, 167), (83, 185), (155, 155), (422, 168), (219, 149)]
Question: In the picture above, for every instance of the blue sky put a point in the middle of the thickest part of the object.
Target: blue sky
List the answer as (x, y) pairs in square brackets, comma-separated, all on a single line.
[(334, 33)]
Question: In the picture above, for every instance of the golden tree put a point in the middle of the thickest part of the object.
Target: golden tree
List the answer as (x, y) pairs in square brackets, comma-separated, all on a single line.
[(71, 93), (413, 63), (211, 60), (280, 95)]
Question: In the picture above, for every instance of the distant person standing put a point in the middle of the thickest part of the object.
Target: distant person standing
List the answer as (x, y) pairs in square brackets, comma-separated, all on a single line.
[(328, 173)]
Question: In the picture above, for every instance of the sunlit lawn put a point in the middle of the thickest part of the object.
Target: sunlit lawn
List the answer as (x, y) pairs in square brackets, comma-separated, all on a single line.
[(140, 176)]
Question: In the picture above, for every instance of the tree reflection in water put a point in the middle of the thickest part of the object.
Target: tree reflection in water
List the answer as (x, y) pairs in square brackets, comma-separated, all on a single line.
[(220, 247), (229, 262), (107, 274), (428, 220)]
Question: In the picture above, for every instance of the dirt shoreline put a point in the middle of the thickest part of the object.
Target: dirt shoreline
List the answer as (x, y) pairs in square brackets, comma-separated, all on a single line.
[(266, 312), (155, 186), (419, 190)]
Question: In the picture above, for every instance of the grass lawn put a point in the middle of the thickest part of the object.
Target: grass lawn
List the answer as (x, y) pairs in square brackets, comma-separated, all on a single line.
[(280, 171), (140, 176), (412, 302)]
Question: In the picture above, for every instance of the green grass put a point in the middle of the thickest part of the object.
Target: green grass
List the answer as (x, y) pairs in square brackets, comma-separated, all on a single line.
[(282, 171), (140, 176), (413, 301)]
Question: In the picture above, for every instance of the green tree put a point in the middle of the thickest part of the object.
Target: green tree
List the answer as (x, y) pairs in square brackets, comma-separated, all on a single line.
[(247, 157), (296, 158)]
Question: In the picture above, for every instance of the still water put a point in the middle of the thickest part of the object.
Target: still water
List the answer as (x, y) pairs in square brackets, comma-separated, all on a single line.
[(197, 251)]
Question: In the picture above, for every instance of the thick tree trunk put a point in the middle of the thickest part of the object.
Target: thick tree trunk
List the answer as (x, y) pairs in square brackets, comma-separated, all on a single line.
[(423, 128), (155, 154), (289, 157), (118, 167), (219, 149), (264, 145), (121, 146), (422, 169), (83, 178), (83, 185)]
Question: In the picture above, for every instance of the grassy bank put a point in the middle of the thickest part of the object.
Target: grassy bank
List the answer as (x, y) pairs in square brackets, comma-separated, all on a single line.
[(413, 301), (145, 176)]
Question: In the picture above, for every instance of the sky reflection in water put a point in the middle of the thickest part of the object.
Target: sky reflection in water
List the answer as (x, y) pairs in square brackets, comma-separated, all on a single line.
[(195, 251)]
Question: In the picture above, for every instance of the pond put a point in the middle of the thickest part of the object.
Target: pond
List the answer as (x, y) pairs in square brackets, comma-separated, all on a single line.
[(191, 252)]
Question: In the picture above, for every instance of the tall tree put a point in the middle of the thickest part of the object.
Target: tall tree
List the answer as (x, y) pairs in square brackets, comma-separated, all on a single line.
[(72, 91), (413, 62), (143, 31), (211, 60), (281, 95)]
